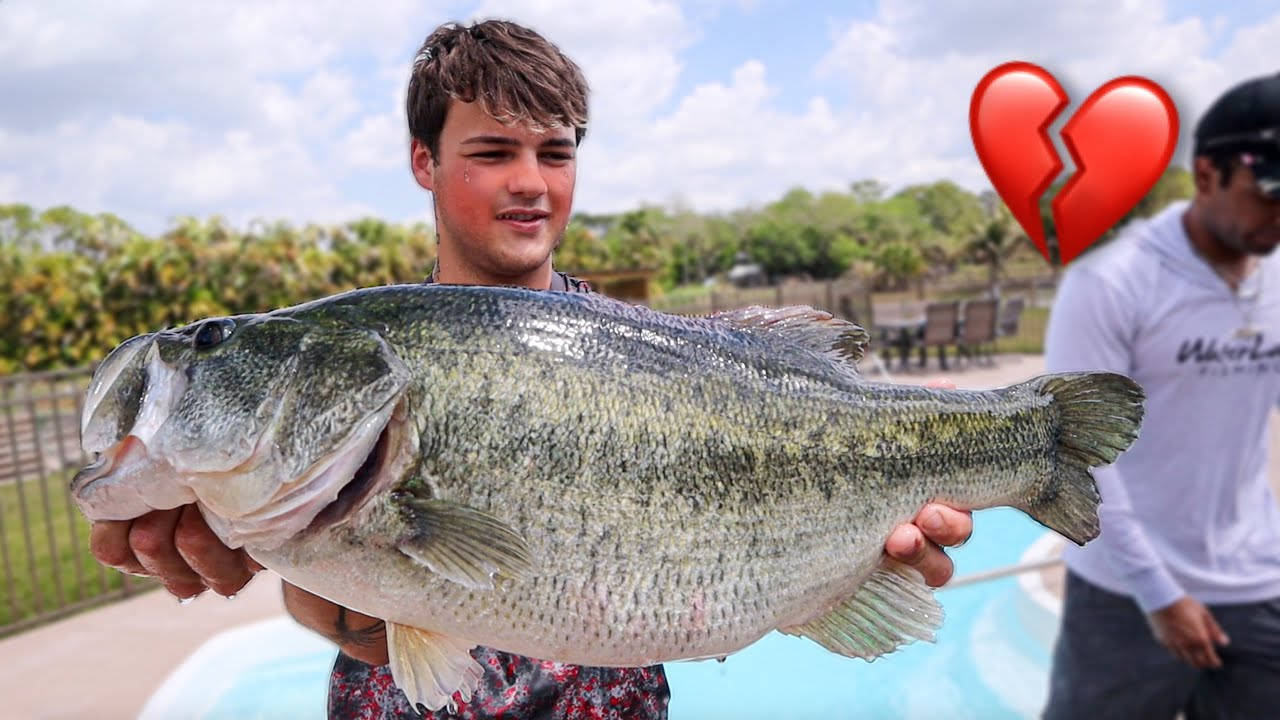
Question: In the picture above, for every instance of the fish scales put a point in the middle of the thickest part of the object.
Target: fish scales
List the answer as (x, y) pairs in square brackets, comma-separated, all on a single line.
[(751, 416), (682, 486)]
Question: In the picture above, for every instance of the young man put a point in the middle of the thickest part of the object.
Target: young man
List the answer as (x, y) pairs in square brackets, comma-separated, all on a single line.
[(496, 114), (1176, 606)]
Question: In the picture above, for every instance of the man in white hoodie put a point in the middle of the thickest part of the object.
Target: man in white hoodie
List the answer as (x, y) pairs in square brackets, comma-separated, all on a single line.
[(1176, 605)]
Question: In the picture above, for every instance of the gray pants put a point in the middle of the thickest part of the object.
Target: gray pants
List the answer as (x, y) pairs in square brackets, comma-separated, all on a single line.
[(1107, 664)]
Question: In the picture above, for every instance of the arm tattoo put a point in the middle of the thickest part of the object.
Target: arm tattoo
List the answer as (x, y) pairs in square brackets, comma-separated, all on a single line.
[(343, 634)]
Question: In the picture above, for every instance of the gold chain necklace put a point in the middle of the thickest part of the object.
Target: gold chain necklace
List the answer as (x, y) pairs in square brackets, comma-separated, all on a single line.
[(1235, 281), (1251, 296)]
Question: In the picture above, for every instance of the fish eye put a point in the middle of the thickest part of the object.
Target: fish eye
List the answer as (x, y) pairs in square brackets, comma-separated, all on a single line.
[(210, 333)]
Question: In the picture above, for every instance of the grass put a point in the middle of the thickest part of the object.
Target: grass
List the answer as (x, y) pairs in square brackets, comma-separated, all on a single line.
[(682, 295), (1030, 337), (38, 567)]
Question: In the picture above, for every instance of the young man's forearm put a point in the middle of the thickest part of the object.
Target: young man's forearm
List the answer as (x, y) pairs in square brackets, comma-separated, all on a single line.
[(356, 634)]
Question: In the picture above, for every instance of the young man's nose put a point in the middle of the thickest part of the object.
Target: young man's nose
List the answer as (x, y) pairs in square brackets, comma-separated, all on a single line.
[(526, 177)]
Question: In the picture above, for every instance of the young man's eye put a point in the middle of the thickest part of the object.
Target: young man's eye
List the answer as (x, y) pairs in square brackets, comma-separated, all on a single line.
[(558, 157), (489, 154)]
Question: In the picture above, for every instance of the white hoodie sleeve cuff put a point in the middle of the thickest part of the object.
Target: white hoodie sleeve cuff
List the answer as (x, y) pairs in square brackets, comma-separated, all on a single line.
[(1155, 589)]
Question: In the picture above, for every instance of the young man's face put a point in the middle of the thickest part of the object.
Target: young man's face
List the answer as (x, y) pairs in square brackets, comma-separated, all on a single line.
[(503, 195), (1239, 216)]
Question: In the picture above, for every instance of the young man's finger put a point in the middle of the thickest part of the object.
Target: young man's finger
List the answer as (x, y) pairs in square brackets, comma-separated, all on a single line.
[(1219, 635), (253, 565), (944, 525), (109, 543), (909, 546), (1206, 656), (151, 537), (1187, 655), (222, 569)]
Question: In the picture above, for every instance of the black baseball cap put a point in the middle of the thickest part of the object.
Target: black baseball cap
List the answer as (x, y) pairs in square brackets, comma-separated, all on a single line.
[(1246, 120)]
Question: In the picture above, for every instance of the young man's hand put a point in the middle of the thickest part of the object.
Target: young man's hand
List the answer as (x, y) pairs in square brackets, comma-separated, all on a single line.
[(177, 547), (920, 542), (1188, 630)]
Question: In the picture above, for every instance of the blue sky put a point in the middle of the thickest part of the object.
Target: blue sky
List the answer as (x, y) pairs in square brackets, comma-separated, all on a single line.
[(292, 110)]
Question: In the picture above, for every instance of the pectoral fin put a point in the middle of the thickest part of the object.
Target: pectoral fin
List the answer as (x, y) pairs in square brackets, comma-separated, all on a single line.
[(892, 608), (431, 668), (463, 544)]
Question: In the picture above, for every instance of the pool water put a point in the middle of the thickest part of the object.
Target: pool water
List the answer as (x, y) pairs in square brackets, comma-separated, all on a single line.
[(987, 662)]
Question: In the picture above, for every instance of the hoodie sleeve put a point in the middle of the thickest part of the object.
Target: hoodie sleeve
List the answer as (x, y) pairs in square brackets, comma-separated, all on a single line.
[(1091, 327)]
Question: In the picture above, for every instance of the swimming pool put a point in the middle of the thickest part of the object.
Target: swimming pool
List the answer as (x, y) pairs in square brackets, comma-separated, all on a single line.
[(990, 661)]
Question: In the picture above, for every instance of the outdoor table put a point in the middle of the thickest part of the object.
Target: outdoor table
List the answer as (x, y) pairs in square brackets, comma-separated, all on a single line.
[(901, 333)]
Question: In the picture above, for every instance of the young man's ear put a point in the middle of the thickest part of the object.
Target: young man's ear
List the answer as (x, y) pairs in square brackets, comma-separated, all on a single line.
[(1203, 173), (421, 162)]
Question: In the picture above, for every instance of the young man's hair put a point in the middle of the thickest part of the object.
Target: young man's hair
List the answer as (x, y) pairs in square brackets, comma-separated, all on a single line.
[(514, 73), (1225, 162)]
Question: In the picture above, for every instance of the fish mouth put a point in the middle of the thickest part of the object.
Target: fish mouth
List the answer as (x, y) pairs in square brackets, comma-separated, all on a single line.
[(334, 488), (384, 464), (120, 484), (126, 481)]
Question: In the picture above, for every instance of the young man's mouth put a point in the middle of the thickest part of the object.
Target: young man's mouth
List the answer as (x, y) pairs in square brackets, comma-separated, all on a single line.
[(524, 220)]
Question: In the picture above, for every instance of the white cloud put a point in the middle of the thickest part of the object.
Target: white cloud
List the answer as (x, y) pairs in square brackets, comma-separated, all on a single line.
[(245, 109), (153, 110), (722, 146), (913, 68), (629, 52), (909, 71), (286, 110), (380, 142), (148, 172)]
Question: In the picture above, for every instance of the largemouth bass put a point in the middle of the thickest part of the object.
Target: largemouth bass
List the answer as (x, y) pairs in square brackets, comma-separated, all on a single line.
[(572, 478)]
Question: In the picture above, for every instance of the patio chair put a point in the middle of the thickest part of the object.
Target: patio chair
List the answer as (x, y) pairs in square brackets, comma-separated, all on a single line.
[(940, 320), (978, 329), (1010, 316)]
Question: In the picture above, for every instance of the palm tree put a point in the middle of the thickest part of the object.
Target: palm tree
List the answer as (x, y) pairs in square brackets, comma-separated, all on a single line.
[(994, 241)]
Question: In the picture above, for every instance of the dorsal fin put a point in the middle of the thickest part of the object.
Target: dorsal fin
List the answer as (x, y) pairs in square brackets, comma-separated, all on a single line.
[(803, 325)]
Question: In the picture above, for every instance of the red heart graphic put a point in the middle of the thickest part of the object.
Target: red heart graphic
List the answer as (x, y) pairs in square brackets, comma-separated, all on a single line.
[(1121, 139)]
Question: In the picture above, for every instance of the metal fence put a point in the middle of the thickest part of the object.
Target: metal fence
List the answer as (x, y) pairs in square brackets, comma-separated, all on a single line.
[(46, 570)]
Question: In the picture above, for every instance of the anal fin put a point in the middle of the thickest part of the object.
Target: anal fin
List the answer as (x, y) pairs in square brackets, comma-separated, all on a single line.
[(431, 668), (892, 608)]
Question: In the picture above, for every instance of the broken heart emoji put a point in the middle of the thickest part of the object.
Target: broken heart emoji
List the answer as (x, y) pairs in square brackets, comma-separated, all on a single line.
[(1121, 139)]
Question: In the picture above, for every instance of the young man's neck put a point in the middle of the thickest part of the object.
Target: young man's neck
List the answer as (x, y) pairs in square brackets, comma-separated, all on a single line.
[(1233, 265), (452, 269)]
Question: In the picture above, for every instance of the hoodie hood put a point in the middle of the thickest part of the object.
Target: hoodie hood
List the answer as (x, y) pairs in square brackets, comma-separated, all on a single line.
[(1166, 237)]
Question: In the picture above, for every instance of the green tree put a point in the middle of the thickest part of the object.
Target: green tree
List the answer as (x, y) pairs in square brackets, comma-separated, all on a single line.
[(867, 191), (950, 212), (995, 239), (638, 240), (1174, 184), (899, 263), (580, 250)]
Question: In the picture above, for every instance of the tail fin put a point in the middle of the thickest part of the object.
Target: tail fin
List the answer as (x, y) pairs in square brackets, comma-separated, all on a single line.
[(1099, 415)]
